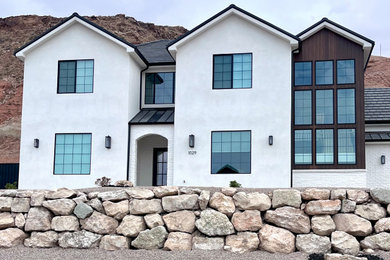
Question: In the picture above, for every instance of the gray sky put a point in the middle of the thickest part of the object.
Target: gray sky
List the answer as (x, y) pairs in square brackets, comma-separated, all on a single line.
[(367, 17)]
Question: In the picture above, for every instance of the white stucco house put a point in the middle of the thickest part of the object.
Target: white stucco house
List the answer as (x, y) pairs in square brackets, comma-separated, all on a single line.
[(235, 98)]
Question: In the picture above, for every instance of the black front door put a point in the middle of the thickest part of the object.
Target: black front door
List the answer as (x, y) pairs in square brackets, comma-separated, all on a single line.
[(160, 162)]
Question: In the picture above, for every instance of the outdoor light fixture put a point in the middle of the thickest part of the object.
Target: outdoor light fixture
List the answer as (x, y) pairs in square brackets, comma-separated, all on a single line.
[(191, 141), (107, 142), (270, 140), (36, 142), (383, 159)]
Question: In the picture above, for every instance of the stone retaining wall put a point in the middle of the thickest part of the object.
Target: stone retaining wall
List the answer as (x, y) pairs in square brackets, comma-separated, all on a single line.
[(172, 218)]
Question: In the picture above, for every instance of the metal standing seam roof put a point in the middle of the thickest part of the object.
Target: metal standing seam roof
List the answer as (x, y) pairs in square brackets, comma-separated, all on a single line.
[(156, 52), (382, 136), (154, 116), (377, 105)]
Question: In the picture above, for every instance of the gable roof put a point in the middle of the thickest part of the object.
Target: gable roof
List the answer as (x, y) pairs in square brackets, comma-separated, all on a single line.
[(377, 105), (367, 44), (156, 52), (75, 17), (233, 9)]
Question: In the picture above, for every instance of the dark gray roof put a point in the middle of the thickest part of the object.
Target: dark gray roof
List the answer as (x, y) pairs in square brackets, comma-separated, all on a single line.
[(377, 105), (156, 52), (378, 136), (154, 116)]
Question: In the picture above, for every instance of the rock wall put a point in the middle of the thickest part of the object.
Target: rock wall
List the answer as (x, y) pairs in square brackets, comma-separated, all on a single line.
[(172, 218)]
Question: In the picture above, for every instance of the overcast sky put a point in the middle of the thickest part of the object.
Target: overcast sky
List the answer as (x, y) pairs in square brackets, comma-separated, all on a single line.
[(370, 18)]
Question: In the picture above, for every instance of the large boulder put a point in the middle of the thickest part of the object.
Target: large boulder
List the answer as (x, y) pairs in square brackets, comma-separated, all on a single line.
[(114, 195), (83, 211), (203, 199), (344, 243), (20, 220), (116, 210), (114, 242), (62, 193), (379, 241), (214, 223), (141, 207), (315, 194), (151, 239), (254, 200), (352, 224), (335, 256), (96, 204), (140, 193), (323, 225), (11, 237), (382, 225), (6, 220), (131, 226), (153, 220), (360, 196), (286, 197), (276, 240), (65, 223), (242, 242), (228, 191), (182, 221), (290, 218), (339, 194), (20, 205), (348, 206), (60, 207), (5, 203), (24, 193), (313, 244), (42, 239), (207, 243), (100, 224), (371, 211), (381, 195), (249, 220), (323, 207), (180, 202), (178, 241), (79, 239), (222, 203), (37, 198), (162, 191), (38, 219)]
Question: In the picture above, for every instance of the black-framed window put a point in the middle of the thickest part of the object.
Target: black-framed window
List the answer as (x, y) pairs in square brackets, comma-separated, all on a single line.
[(230, 152), (324, 106), (75, 76), (324, 72), (303, 107), (345, 71), (346, 144), (303, 74), (303, 147), (72, 154), (346, 106), (232, 71), (159, 88), (324, 146)]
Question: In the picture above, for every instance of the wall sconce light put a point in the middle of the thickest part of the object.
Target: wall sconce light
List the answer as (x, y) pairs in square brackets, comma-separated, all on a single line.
[(36, 142), (107, 142), (191, 141), (383, 159), (270, 140)]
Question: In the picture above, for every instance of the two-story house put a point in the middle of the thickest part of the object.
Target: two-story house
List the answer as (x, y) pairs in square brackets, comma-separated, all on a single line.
[(235, 98)]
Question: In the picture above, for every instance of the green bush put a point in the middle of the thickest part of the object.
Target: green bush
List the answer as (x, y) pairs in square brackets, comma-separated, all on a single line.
[(235, 184), (11, 185)]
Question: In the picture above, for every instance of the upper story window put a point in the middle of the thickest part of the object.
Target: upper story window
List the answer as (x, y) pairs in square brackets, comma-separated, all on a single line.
[(302, 107), (303, 73), (324, 72), (159, 88), (345, 71), (346, 106), (324, 107), (232, 71), (75, 76)]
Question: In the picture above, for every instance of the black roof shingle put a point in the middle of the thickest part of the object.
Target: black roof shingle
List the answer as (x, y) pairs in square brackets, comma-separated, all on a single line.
[(377, 105), (156, 52)]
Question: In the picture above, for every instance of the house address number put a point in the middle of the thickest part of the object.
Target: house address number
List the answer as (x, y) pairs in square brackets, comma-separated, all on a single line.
[(191, 152)]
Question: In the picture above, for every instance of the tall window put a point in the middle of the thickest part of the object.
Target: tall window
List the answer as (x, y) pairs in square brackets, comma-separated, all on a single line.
[(324, 72), (303, 147), (324, 106), (303, 107), (324, 146), (159, 88), (303, 73), (231, 152), (345, 71), (72, 154), (75, 76), (232, 71), (346, 106), (346, 146)]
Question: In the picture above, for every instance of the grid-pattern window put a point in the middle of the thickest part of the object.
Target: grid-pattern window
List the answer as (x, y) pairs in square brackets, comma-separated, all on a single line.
[(346, 146), (232, 71), (303, 73), (231, 152), (75, 76), (324, 146), (72, 154), (303, 146), (324, 72), (303, 107), (324, 106), (161, 167), (159, 88), (345, 71), (346, 106)]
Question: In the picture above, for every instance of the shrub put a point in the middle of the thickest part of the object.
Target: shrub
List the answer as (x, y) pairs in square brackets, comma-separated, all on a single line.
[(235, 184), (103, 182), (11, 185)]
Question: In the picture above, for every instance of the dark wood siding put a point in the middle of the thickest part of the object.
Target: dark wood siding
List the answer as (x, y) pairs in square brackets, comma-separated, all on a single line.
[(327, 45)]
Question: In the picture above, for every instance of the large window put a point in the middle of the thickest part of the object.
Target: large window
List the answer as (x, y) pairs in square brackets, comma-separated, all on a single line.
[(324, 72), (231, 152), (159, 88), (303, 146), (324, 106), (324, 146), (346, 146), (232, 71), (303, 73), (75, 76), (346, 106), (72, 154), (303, 107), (345, 71)]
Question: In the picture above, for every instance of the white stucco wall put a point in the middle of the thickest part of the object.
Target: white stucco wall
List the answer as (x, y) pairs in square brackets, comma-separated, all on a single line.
[(378, 175), (265, 109), (106, 111)]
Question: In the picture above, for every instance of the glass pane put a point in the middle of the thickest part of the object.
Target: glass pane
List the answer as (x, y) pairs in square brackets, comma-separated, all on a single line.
[(324, 72), (346, 106), (66, 77), (303, 73), (242, 77), (345, 71), (159, 88), (303, 146), (303, 107), (324, 106), (84, 75), (324, 146), (346, 146), (222, 71)]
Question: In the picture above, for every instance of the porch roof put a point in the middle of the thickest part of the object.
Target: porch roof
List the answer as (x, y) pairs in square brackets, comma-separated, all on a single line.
[(383, 136), (154, 116)]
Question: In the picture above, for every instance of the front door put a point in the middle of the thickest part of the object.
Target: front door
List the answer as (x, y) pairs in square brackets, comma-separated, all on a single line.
[(160, 162)]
